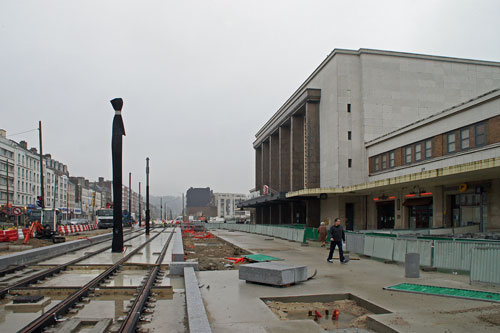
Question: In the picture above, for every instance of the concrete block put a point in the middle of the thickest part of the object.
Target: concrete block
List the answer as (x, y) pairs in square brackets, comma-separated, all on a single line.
[(197, 316), (272, 273), (178, 247), (177, 268)]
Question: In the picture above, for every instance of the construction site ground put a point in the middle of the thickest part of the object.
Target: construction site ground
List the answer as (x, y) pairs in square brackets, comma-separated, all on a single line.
[(236, 306), (211, 253)]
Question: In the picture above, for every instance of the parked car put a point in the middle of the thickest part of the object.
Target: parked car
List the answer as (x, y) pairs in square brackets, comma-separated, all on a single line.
[(79, 221)]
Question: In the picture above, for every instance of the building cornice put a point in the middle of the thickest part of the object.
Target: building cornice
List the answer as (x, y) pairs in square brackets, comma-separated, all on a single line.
[(486, 164)]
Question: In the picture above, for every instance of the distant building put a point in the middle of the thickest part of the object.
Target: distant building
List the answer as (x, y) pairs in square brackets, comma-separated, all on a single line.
[(226, 205), (200, 202)]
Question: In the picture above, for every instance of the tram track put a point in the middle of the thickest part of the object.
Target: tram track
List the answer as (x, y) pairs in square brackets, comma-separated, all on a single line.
[(130, 323), (54, 270), (52, 315)]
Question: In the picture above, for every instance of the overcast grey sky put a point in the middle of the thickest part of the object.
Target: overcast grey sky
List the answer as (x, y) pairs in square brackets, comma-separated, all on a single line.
[(198, 78)]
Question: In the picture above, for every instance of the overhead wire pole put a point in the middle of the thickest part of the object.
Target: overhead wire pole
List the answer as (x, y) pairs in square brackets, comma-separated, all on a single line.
[(147, 196), (140, 212), (116, 148), (42, 186), (130, 194)]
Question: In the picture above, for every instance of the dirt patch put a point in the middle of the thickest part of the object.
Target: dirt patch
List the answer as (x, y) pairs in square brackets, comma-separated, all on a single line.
[(478, 309), (493, 319), (351, 315), (211, 252)]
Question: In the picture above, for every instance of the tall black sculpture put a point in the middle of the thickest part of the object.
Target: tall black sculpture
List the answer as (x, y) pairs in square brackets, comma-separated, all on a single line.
[(116, 150)]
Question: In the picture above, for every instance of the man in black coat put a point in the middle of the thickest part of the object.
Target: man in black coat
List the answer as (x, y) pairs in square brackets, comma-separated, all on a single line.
[(336, 235)]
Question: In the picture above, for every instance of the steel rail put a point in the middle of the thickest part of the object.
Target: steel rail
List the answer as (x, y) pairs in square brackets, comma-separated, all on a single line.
[(51, 271), (16, 268), (61, 308), (133, 316)]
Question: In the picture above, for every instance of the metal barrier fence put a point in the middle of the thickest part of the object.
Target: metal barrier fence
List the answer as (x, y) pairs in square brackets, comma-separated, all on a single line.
[(485, 264), (480, 257), (284, 232)]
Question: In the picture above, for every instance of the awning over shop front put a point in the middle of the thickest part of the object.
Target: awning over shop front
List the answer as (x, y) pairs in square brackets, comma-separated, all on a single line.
[(417, 202), (262, 200)]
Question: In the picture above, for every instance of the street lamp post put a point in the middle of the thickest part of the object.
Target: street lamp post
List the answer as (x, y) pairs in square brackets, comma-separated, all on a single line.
[(147, 196), (116, 148)]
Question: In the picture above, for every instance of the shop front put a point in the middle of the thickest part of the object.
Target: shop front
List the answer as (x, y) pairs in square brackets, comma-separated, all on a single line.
[(419, 212), (469, 209)]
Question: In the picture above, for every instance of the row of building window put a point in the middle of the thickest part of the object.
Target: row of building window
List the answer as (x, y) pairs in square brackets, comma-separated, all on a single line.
[(457, 140)]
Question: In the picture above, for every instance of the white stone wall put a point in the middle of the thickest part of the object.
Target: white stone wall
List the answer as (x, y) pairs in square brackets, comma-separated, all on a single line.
[(386, 91)]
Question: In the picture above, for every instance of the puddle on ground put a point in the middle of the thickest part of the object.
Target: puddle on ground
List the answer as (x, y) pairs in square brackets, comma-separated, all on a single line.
[(128, 278), (105, 308), (351, 315), (176, 282), (71, 278)]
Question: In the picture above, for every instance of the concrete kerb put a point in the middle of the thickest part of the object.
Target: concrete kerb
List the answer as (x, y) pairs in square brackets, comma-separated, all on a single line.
[(197, 316), (178, 247), (23, 257)]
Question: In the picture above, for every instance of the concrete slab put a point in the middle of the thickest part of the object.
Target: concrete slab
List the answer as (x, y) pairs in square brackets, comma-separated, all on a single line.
[(177, 268), (272, 273), (28, 307), (229, 301), (197, 317)]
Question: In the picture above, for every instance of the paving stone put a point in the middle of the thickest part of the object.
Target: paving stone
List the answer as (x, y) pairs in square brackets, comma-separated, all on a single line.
[(277, 274)]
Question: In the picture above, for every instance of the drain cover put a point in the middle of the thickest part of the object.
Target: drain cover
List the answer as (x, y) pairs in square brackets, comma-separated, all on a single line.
[(27, 299)]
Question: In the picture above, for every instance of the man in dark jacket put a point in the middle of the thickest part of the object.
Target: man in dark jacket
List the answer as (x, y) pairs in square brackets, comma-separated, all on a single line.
[(336, 235)]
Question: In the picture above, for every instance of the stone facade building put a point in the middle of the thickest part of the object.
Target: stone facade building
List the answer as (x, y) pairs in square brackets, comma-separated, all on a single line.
[(325, 152)]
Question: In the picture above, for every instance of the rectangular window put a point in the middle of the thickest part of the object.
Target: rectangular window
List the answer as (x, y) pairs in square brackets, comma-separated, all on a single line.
[(464, 139), (349, 135), (375, 163), (480, 135), (349, 162), (391, 160), (418, 151), (408, 155), (384, 161), (349, 108), (450, 142), (428, 149)]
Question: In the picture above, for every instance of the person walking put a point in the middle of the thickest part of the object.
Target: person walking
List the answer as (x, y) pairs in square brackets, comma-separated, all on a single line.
[(322, 232), (337, 235)]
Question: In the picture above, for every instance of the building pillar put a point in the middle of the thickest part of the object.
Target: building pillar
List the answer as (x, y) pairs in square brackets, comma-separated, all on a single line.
[(275, 214), (437, 207), (297, 153), (258, 215), (258, 168), (313, 213), (284, 159), (265, 164), (311, 146), (285, 213), (274, 168), (493, 196), (266, 214)]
